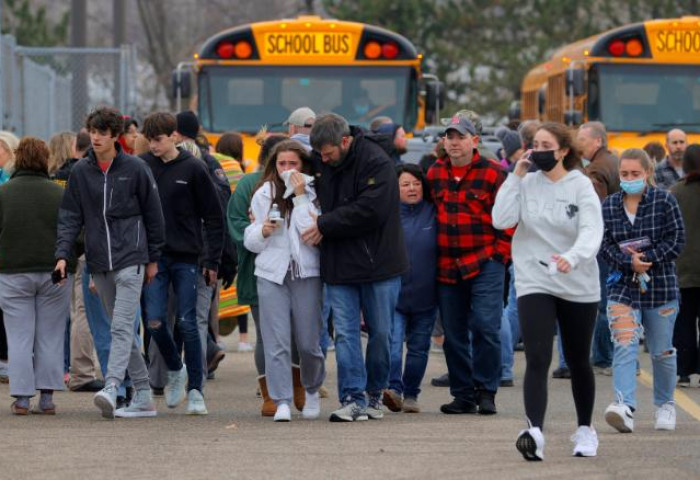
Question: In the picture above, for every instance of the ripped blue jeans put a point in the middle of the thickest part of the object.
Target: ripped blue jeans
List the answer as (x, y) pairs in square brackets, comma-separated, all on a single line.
[(626, 327)]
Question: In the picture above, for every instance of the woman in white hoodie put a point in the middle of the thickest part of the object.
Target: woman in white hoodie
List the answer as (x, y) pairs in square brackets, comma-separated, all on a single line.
[(559, 231), (288, 277)]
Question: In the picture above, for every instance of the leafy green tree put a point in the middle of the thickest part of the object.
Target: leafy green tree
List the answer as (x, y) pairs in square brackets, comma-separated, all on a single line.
[(31, 27)]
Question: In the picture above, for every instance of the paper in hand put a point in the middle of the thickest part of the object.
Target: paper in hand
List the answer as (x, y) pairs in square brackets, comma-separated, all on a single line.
[(287, 175)]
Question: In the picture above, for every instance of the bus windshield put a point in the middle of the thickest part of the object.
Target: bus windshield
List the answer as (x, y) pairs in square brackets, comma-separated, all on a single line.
[(646, 98), (245, 98)]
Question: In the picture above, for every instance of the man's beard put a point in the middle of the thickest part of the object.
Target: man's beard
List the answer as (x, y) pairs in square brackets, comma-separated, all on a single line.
[(677, 156), (343, 154)]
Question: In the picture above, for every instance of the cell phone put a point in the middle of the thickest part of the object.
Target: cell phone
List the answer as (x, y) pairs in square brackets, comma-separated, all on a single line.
[(56, 277)]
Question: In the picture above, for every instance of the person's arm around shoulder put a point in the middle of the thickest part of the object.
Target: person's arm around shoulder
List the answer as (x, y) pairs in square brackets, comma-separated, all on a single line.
[(673, 231), (590, 225)]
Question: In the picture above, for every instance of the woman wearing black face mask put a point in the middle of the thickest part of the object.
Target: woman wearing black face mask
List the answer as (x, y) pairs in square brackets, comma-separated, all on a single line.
[(559, 231)]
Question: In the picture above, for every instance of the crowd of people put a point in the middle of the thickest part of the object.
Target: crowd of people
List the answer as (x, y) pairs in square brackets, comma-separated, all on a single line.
[(133, 230)]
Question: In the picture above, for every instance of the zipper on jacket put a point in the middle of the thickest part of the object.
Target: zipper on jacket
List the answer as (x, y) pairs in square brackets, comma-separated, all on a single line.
[(371, 260), (138, 232), (104, 216)]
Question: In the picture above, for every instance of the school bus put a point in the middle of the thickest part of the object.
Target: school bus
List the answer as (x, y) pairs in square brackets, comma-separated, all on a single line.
[(257, 74), (640, 80)]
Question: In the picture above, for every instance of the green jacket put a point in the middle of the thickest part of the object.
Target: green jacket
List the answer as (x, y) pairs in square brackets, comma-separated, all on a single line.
[(29, 205), (688, 263), (237, 220)]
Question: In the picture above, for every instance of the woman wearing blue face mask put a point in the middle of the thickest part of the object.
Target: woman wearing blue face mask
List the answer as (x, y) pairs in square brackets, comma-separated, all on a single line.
[(644, 234)]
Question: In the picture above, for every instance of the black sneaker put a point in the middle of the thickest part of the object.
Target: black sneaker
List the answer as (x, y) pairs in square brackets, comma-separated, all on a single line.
[(684, 381), (486, 401), (458, 407), (441, 381), (561, 373), (158, 391), (507, 382)]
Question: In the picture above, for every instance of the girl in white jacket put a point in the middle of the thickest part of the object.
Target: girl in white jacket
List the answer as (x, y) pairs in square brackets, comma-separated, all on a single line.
[(288, 278), (559, 228)]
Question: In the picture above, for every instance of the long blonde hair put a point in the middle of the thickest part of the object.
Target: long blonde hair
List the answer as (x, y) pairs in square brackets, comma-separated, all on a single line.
[(60, 150)]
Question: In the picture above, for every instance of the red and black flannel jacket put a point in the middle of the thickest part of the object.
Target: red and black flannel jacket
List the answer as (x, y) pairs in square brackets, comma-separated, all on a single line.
[(466, 237)]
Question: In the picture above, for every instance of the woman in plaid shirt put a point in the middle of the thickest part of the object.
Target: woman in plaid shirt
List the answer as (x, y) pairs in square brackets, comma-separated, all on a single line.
[(644, 234)]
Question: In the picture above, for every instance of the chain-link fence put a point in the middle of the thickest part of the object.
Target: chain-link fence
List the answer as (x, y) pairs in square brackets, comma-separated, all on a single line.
[(48, 90)]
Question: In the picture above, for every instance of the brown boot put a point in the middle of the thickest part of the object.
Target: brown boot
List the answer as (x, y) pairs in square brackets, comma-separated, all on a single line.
[(268, 407), (299, 392)]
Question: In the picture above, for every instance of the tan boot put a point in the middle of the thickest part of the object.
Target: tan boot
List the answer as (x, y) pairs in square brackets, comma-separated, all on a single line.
[(299, 392), (268, 407)]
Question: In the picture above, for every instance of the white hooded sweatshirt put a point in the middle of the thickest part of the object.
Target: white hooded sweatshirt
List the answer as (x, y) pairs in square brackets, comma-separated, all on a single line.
[(553, 218)]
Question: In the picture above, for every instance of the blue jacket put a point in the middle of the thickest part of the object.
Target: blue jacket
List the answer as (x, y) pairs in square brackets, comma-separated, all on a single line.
[(418, 287)]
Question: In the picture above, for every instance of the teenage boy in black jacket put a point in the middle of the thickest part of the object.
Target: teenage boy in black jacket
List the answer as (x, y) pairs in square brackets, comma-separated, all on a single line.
[(114, 197), (362, 257), (189, 200)]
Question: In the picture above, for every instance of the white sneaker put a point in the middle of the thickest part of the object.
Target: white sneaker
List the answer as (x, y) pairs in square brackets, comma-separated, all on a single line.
[(106, 400), (141, 405), (312, 406), (283, 414), (175, 388), (530, 444), (195, 403), (245, 347), (620, 417), (665, 417), (585, 442)]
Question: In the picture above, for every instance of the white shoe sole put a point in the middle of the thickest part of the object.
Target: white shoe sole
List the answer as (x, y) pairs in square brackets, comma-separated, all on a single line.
[(616, 421), (310, 415), (143, 414), (197, 412), (584, 453), (668, 428), (105, 406)]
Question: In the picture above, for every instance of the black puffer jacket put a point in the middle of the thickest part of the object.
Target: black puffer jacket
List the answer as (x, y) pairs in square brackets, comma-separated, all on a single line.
[(360, 220), (120, 210)]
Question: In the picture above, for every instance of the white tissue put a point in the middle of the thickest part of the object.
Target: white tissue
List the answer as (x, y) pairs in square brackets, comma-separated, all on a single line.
[(308, 180)]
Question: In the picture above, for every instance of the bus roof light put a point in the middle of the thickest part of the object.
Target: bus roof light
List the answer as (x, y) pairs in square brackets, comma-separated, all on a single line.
[(373, 50), (616, 48), (225, 50), (244, 50), (390, 50), (634, 48)]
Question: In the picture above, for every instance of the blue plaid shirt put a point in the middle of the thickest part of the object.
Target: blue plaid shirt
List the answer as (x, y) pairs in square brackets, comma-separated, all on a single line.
[(658, 218), (665, 175)]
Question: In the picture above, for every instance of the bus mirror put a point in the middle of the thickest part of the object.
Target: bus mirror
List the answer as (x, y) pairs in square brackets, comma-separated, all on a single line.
[(180, 81), (514, 111), (435, 98), (573, 117), (575, 81)]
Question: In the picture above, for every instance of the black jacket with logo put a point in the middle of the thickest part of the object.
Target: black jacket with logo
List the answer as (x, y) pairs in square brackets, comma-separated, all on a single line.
[(360, 220), (189, 198), (120, 210)]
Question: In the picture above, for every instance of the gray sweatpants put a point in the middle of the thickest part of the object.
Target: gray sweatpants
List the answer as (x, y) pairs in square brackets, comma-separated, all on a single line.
[(291, 309), (120, 292), (35, 312)]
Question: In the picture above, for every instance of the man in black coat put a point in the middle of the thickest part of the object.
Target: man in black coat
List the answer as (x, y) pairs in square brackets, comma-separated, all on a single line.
[(362, 257)]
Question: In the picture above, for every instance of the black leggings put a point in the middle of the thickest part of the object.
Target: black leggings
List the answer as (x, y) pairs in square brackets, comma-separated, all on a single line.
[(538, 315), (3, 340)]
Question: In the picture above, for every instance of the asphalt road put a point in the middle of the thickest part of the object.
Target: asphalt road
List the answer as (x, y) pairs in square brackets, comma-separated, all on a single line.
[(233, 441)]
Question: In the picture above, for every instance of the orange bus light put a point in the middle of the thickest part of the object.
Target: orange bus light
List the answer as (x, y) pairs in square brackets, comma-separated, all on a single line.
[(225, 50), (616, 48), (243, 50), (634, 48), (373, 50), (390, 50)]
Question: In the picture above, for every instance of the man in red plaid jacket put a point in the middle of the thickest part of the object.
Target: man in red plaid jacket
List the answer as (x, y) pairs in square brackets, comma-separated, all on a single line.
[(471, 268)]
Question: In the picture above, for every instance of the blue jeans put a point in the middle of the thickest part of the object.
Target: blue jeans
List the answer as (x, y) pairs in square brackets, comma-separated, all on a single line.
[(416, 329), (602, 354), (101, 328), (475, 307), (183, 277), (510, 330), (560, 350), (377, 301), (626, 325)]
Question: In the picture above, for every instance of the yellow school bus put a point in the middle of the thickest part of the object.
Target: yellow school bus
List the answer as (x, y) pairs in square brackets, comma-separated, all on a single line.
[(257, 74), (640, 80)]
